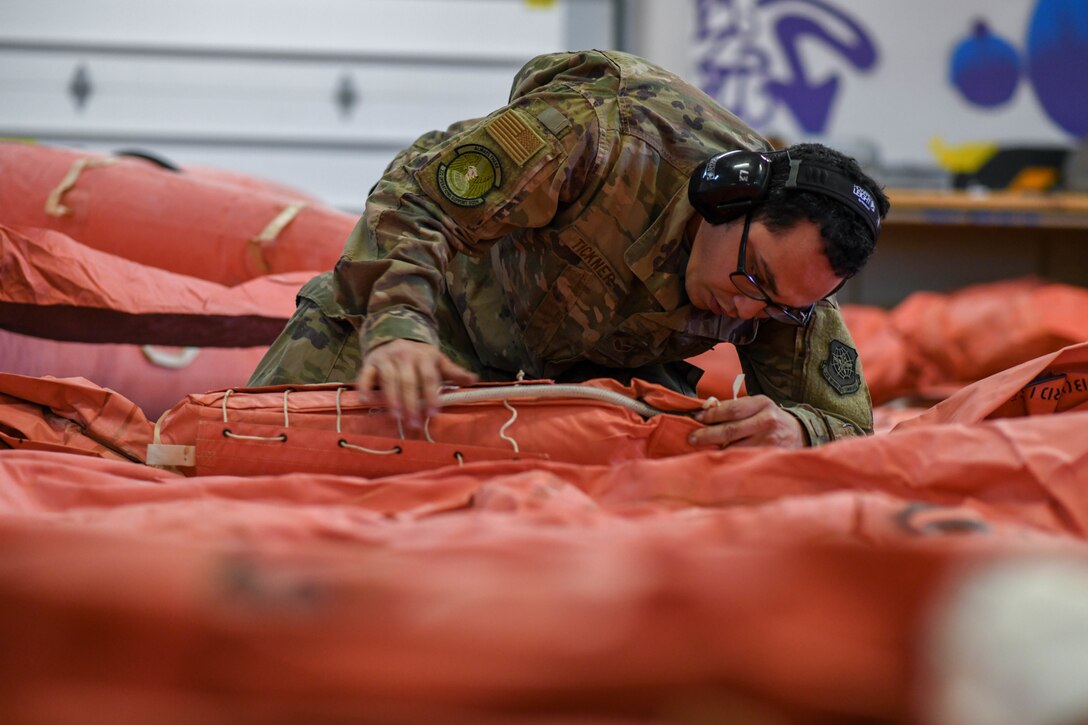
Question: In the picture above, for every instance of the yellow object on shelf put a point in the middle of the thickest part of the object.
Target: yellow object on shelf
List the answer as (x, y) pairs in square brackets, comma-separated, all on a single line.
[(963, 158)]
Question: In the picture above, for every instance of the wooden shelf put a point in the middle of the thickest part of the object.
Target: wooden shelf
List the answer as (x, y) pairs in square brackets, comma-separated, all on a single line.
[(990, 208)]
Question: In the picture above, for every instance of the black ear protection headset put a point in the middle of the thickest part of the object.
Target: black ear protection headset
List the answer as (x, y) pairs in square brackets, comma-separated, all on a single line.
[(726, 186)]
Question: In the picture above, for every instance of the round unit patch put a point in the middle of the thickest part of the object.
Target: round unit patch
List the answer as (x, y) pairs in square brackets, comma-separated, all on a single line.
[(474, 171)]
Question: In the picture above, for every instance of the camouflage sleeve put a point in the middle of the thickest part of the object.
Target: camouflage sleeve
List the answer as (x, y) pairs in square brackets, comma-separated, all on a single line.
[(488, 177), (813, 373)]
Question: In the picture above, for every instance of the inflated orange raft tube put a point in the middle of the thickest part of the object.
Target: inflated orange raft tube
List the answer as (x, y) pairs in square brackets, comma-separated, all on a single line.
[(52, 286), (203, 225)]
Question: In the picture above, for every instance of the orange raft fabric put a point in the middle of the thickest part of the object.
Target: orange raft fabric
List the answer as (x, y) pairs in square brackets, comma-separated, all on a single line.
[(1054, 383), (981, 330), (203, 225), (52, 286), (335, 429), (71, 415), (766, 585)]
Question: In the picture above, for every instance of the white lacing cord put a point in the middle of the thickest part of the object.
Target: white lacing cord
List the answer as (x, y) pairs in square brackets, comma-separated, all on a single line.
[(502, 431), (373, 451), (282, 437)]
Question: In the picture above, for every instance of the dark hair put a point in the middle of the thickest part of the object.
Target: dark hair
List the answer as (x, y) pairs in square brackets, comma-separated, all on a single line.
[(848, 240)]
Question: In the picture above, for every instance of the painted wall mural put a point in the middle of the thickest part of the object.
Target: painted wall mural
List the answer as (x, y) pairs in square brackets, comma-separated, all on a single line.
[(1053, 59), (755, 57)]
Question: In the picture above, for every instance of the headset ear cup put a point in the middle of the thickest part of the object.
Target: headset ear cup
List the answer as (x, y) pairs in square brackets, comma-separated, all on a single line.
[(726, 186)]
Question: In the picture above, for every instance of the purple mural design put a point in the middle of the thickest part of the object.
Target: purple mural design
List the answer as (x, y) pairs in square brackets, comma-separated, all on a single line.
[(740, 40), (986, 69)]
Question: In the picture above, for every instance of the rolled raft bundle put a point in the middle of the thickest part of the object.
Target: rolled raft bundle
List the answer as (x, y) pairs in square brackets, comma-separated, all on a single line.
[(333, 428), (68, 310), (219, 226)]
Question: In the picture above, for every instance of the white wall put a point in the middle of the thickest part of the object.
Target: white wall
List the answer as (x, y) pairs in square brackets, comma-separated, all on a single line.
[(253, 85)]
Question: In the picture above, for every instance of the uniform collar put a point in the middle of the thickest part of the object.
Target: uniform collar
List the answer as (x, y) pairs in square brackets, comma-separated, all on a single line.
[(659, 258)]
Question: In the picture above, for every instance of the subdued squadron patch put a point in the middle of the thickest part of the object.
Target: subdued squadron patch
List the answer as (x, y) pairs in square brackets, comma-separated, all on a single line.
[(516, 137), (840, 369), (473, 171)]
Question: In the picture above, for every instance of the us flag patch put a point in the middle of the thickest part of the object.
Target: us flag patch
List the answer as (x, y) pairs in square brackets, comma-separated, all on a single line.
[(516, 137)]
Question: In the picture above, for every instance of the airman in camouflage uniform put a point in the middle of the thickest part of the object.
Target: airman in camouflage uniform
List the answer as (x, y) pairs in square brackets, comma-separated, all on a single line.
[(551, 238)]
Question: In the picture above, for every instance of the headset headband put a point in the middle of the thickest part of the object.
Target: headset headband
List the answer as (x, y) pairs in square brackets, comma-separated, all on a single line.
[(727, 185), (833, 183)]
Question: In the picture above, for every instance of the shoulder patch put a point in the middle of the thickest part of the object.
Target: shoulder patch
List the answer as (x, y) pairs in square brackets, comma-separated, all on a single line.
[(516, 137), (840, 368), (469, 175)]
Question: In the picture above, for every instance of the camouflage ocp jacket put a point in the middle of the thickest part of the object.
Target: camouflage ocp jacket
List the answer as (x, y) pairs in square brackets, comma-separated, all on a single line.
[(555, 227)]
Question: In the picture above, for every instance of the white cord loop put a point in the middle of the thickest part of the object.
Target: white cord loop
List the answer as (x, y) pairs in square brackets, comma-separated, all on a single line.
[(344, 444), (395, 450), (502, 431), (281, 438)]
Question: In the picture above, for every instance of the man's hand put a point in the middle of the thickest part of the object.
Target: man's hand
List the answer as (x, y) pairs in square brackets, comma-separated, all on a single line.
[(749, 421), (410, 374)]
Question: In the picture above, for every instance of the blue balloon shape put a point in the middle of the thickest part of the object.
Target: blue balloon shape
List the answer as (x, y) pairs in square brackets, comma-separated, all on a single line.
[(1058, 62), (985, 68)]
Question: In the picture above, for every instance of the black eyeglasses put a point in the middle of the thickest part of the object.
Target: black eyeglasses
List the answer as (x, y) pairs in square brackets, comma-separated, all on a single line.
[(747, 285)]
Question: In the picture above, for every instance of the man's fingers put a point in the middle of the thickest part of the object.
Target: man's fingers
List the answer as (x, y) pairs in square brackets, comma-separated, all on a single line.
[(455, 373), (747, 431), (410, 375), (368, 379), (389, 374), (410, 382), (724, 411), (752, 421), (430, 380)]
